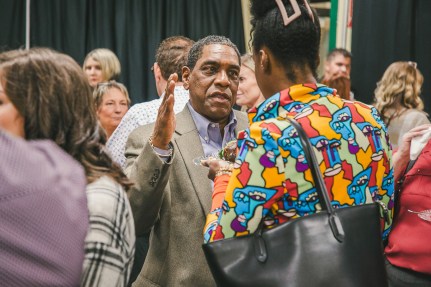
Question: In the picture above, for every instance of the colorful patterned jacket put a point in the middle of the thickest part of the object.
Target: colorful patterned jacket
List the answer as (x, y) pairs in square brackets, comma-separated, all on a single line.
[(271, 179)]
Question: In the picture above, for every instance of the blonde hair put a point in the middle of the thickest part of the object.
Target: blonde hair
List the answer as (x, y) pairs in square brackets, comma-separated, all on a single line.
[(247, 60), (102, 88), (400, 86), (111, 67)]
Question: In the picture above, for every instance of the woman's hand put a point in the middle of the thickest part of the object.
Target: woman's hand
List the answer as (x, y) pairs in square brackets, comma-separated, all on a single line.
[(215, 166), (402, 157), (404, 148)]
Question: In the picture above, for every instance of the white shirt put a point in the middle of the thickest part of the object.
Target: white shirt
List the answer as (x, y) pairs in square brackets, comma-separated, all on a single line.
[(139, 115)]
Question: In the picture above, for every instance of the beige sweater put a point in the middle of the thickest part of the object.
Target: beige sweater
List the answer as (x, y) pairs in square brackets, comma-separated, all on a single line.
[(398, 126)]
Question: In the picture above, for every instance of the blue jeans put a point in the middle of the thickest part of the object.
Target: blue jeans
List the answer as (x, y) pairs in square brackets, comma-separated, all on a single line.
[(401, 277)]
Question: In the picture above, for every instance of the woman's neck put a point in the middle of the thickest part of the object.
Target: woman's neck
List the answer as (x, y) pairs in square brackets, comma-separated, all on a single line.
[(109, 132), (282, 83)]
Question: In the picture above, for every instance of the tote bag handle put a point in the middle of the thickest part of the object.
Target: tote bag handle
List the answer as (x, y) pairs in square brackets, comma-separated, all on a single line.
[(334, 221)]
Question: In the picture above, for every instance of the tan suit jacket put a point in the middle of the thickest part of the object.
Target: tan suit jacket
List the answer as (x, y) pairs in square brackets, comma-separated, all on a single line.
[(172, 199)]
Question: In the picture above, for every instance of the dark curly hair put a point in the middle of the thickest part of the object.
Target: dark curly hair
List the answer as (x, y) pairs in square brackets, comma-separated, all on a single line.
[(295, 45), (51, 92), (197, 48)]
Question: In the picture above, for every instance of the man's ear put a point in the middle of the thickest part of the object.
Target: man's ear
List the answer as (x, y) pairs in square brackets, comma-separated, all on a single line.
[(157, 72), (160, 81), (186, 77)]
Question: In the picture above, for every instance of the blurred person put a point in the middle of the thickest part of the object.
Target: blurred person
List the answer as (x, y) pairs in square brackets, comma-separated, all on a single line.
[(171, 57), (338, 63), (52, 97), (248, 95), (341, 84), (43, 209), (112, 102), (101, 65), (397, 98), (171, 193), (270, 179), (408, 251), (337, 69)]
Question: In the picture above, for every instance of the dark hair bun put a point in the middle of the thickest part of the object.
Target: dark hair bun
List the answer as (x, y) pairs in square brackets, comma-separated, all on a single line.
[(259, 8)]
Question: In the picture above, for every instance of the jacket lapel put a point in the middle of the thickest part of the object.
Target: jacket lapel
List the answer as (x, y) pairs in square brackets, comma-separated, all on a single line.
[(189, 145)]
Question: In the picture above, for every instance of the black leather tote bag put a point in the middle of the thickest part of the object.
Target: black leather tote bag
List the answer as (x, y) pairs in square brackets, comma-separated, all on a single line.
[(335, 247)]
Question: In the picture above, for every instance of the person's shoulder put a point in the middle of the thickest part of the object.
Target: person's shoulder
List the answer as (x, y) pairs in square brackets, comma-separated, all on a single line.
[(104, 182), (104, 193), (141, 133), (240, 114), (140, 109), (143, 129), (360, 107), (416, 114), (242, 119), (413, 118), (40, 164)]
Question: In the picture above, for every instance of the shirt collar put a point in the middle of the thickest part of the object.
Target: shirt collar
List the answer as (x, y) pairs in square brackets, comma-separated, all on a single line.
[(203, 124), (291, 100)]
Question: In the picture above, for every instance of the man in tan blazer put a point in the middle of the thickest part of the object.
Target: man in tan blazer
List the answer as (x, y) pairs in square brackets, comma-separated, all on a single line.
[(172, 195)]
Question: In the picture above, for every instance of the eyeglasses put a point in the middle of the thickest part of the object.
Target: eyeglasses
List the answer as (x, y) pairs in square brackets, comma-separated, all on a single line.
[(413, 64)]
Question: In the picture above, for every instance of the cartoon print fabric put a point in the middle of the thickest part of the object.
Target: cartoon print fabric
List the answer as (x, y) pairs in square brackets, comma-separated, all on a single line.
[(272, 179)]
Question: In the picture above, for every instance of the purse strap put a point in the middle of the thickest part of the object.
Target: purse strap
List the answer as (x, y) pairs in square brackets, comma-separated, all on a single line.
[(399, 186), (403, 177), (334, 221)]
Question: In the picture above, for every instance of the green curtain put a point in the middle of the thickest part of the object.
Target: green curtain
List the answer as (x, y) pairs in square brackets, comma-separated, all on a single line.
[(12, 24), (386, 31), (131, 28)]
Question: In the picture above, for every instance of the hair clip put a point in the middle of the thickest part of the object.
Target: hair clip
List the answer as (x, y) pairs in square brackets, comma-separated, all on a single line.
[(297, 12), (413, 64), (310, 13)]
